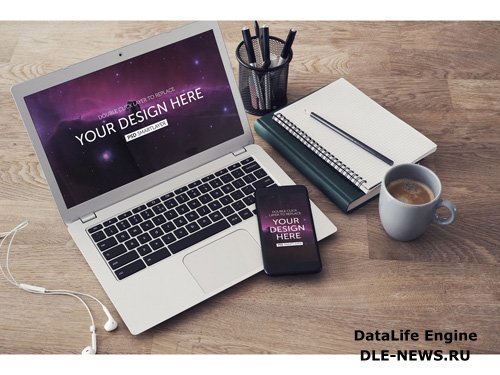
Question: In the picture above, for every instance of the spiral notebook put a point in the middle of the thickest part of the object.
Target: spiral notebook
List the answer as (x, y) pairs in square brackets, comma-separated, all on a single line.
[(351, 110)]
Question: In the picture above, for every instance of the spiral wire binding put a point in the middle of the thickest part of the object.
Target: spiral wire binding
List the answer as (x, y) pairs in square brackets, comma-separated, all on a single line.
[(315, 147)]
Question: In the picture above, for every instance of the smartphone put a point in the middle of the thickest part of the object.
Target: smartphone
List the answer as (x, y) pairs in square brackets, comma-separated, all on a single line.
[(286, 227)]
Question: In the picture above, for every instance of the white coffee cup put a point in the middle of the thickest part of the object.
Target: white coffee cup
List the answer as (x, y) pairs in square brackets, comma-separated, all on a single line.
[(404, 221)]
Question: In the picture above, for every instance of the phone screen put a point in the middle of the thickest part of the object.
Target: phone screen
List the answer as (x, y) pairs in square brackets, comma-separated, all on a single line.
[(287, 233)]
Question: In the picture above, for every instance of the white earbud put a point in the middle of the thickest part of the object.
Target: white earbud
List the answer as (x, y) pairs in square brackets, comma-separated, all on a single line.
[(91, 349), (111, 324)]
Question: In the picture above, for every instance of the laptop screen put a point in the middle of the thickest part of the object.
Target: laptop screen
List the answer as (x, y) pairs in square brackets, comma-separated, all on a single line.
[(110, 127)]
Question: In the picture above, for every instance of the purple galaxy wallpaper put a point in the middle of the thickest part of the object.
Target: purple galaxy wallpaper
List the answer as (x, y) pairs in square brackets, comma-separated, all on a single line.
[(284, 219), (86, 125)]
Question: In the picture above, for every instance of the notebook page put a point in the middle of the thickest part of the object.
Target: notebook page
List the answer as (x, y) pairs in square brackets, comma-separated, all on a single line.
[(354, 112)]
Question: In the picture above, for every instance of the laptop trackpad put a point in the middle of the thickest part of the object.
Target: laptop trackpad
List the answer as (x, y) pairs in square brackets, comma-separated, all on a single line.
[(221, 262)]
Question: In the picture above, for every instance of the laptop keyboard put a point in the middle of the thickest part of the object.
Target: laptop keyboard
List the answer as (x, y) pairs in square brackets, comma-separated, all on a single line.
[(164, 226)]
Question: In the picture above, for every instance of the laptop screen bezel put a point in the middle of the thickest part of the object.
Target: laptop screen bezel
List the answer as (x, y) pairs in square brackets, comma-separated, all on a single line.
[(109, 198)]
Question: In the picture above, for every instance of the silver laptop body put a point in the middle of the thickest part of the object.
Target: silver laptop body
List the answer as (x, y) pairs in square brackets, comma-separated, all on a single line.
[(121, 135)]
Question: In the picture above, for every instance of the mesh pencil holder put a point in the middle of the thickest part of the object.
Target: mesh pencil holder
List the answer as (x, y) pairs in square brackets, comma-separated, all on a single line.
[(263, 89)]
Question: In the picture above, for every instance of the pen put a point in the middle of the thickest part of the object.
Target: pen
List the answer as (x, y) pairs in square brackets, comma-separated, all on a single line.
[(266, 57), (257, 34), (247, 39), (287, 47), (351, 138)]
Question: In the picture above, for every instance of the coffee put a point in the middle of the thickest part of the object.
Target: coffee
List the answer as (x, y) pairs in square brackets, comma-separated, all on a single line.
[(410, 191)]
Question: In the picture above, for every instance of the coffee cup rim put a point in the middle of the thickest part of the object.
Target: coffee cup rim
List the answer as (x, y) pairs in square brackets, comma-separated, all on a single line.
[(428, 170)]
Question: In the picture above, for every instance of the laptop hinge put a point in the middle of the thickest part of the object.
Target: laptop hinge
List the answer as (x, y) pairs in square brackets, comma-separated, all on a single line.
[(87, 218), (240, 151)]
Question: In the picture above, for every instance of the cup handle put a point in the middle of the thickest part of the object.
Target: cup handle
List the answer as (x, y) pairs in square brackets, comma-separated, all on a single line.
[(453, 212)]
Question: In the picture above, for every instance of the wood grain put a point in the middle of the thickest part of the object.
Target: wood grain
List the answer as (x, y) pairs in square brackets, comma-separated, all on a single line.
[(441, 77)]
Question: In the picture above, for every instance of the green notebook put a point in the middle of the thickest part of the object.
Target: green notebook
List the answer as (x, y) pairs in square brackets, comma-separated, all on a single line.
[(345, 173)]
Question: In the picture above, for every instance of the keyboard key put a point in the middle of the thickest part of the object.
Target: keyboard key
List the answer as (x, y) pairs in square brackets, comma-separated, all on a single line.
[(182, 209), (124, 215), (168, 238), (156, 244), (248, 189), (250, 167), (227, 188), (208, 178), (172, 214), (203, 210), (156, 232), (266, 181), (171, 203), (245, 214), (139, 209), (122, 236), (193, 184), (122, 225), (215, 205), (168, 227), (159, 220), (123, 259), (237, 195), (134, 231), (107, 243), (217, 193), (130, 269), (239, 205), (238, 183), (221, 172), (192, 227), (226, 211), (191, 216), (227, 178), (144, 250), (247, 160), (166, 196), (225, 200), (205, 198), (195, 203), (156, 256), (98, 236), (110, 221), (181, 232), (147, 214), (193, 193), (180, 221), (204, 221), (136, 219), (131, 244), (181, 190), (234, 166), (114, 252), (205, 188), (154, 202), (249, 200), (144, 238), (182, 198), (215, 216), (250, 178), (111, 230), (237, 173), (234, 219), (95, 228), (198, 236), (216, 183), (159, 208), (259, 173), (147, 225)]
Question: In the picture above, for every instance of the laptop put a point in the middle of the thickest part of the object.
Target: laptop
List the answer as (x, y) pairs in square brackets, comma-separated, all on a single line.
[(151, 161)]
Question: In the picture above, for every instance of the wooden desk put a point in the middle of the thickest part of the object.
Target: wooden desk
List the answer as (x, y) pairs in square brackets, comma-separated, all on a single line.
[(442, 78)]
